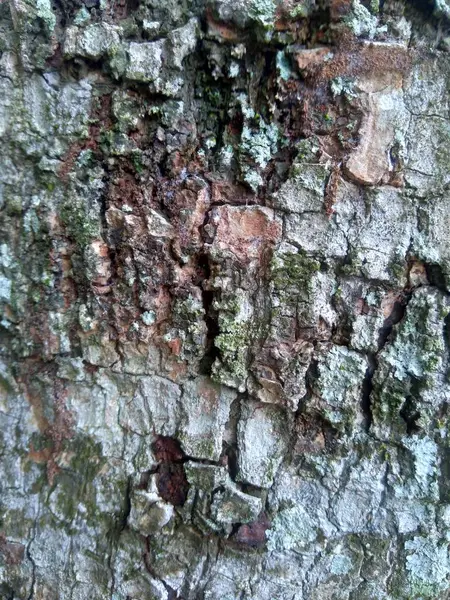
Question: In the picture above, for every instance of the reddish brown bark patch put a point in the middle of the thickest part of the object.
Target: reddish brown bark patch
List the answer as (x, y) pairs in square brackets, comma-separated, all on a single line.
[(224, 192), (244, 232), (339, 9), (172, 483), (357, 58), (219, 29), (102, 118), (55, 432), (313, 435), (13, 552), (170, 477), (253, 534), (166, 449)]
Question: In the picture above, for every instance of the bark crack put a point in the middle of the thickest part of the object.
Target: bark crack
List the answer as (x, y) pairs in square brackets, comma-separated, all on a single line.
[(30, 556)]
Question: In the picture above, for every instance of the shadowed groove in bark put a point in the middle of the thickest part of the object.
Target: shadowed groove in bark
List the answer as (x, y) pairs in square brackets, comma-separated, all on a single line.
[(366, 404), (410, 415), (211, 316)]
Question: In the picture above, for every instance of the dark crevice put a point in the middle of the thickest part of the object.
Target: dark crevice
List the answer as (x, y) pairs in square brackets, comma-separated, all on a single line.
[(230, 447), (218, 490), (123, 518), (168, 450), (211, 316), (250, 489), (212, 331), (446, 336), (410, 415), (205, 230), (33, 567), (342, 331), (7, 592), (436, 276), (231, 454), (113, 535), (311, 375), (171, 593), (268, 68), (145, 479), (367, 386), (423, 6), (312, 434), (234, 529), (396, 315)]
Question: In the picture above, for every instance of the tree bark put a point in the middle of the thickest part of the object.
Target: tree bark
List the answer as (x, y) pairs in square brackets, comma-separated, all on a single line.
[(224, 286)]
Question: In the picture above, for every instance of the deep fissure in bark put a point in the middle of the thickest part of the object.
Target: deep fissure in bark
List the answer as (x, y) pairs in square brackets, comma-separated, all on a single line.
[(410, 414), (436, 276), (367, 387), (396, 315), (211, 316)]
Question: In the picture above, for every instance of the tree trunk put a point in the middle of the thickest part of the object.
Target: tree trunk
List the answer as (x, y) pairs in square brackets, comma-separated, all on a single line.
[(224, 285)]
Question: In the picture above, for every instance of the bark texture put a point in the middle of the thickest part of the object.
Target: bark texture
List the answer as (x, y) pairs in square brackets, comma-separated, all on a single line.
[(224, 287)]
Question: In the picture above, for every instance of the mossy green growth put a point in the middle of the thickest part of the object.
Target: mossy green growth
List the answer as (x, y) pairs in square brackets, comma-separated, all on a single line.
[(213, 96), (199, 447), (81, 224), (307, 152), (233, 346), (136, 159), (80, 483), (87, 456), (393, 395), (301, 10), (13, 206), (6, 385), (291, 275), (118, 60), (424, 591), (233, 343), (44, 12), (375, 6), (127, 110), (397, 268), (15, 523)]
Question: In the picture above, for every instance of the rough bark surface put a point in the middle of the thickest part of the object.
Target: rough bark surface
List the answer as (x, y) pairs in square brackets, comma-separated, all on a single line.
[(224, 286)]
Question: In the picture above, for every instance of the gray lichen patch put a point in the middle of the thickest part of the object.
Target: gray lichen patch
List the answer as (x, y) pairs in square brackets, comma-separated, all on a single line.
[(92, 41), (145, 61), (262, 442), (205, 412), (339, 387), (413, 367)]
